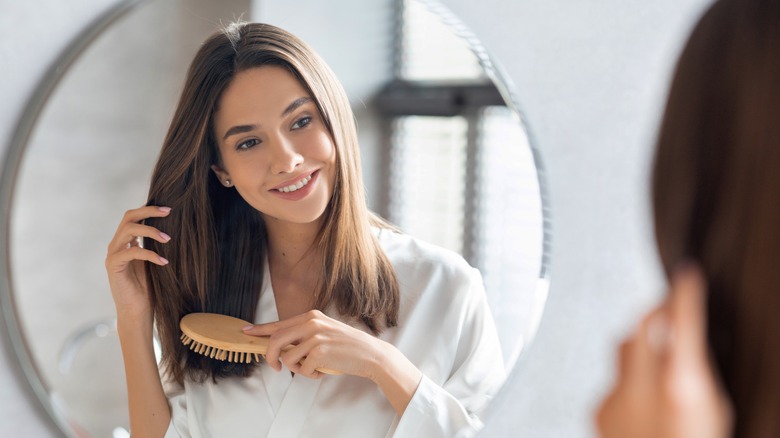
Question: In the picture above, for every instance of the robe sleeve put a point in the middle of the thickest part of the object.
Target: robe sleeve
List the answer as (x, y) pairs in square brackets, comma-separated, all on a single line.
[(452, 408), (174, 392)]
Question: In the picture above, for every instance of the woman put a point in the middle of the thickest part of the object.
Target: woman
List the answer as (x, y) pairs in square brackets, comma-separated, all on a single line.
[(259, 193), (707, 362)]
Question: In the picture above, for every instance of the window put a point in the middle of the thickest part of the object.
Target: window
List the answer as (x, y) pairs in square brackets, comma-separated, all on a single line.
[(462, 173)]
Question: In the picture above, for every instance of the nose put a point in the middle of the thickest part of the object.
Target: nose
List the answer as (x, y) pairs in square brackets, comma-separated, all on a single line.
[(284, 156)]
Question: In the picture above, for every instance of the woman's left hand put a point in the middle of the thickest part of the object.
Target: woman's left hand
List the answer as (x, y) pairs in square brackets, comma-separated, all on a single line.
[(666, 385), (321, 342)]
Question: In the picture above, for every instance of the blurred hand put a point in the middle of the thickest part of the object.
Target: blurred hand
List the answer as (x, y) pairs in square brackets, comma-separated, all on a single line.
[(125, 262), (666, 386)]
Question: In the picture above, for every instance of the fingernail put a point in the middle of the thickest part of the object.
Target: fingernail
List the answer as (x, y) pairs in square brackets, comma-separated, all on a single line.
[(164, 209), (248, 327), (165, 236), (659, 334), (164, 260)]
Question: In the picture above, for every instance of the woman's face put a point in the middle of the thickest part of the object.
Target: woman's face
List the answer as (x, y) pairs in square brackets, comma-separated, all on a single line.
[(275, 147)]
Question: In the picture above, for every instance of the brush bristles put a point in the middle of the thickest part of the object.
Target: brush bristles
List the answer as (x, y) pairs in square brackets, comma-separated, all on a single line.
[(217, 353)]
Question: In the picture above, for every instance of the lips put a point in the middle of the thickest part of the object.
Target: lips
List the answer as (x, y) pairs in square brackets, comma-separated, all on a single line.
[(294, 187), (294, 184)]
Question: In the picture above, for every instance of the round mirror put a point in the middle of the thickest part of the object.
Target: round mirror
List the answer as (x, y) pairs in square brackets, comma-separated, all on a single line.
[(432, 111)]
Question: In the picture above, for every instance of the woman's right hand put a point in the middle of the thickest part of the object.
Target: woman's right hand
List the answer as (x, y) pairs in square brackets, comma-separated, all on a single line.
[(125, 262)]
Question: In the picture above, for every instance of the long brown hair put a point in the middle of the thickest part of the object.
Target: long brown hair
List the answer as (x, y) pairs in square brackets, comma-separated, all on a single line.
[(219, 242), (716, 195)]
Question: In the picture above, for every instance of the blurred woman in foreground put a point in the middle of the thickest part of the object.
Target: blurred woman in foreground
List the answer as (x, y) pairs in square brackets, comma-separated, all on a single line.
[(706, 363)]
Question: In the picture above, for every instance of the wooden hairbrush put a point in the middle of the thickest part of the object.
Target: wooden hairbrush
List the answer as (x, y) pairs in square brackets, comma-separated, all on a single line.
[(221, 337)]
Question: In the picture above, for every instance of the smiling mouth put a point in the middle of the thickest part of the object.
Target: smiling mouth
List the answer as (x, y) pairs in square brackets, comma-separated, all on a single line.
[(295, 187)]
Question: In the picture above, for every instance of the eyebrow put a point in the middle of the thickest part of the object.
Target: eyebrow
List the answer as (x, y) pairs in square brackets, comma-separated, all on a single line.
[(295, 105), (240, 129)]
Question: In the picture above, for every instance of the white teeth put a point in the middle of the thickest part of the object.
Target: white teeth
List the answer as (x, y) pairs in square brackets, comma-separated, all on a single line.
[(294, 187)]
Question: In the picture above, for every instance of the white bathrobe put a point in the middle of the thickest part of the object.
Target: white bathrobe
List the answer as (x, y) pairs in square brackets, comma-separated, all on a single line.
[(445, 328)]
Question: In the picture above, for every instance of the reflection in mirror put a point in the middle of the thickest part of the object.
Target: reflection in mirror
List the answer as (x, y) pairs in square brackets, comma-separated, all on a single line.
[(445, 157)]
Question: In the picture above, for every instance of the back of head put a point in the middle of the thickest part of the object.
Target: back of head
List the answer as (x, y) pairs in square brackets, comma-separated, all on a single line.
[(716, 195)]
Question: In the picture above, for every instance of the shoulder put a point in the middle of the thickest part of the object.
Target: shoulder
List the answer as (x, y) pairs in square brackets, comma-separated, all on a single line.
[(408, 253), (440, 295), (424, 268)]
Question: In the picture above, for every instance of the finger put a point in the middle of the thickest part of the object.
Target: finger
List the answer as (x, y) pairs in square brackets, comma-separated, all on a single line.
[(301, 369), (293, 356), (135, 216), (305, 359), (624, 360), (643, 359), (688, 370), (266, 329), (270, 328), (312, 358), (272, 356), (609, 417), (127, 232), (307, 368), (295, 367), (656, 330), (278, 343), (118, 261), (139, 214), (314, 374), (687, 302), (287, 338)]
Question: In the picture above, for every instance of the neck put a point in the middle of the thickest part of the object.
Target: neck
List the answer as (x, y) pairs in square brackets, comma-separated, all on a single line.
[(290, 245)]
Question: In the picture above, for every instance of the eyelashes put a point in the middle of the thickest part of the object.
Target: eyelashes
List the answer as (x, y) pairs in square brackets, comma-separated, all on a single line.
[(248, 144), (301, 123)]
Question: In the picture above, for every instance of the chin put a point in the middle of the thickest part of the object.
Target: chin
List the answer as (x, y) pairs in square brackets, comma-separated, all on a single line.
[(302, 213), (305, 220), (300, 218)]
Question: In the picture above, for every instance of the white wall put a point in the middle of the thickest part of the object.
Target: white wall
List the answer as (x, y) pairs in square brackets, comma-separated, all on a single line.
[(591, 77)]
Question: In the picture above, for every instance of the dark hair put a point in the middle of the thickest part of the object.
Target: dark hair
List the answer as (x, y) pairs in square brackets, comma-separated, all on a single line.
[(716, 196), (218, 240)]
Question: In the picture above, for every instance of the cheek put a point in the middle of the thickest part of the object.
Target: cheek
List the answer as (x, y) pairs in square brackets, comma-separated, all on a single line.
[(319, 145), (249, 170), (329, 158), (326, 148)]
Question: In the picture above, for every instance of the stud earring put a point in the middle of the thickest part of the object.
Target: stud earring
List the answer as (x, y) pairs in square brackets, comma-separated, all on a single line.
[(227, 183)]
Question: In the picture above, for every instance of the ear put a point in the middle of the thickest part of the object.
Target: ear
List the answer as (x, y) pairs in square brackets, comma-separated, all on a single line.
[(221, 173)]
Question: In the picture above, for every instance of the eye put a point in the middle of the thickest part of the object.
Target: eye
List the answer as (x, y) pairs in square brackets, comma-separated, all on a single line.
[(248, 144), (302, 122)]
